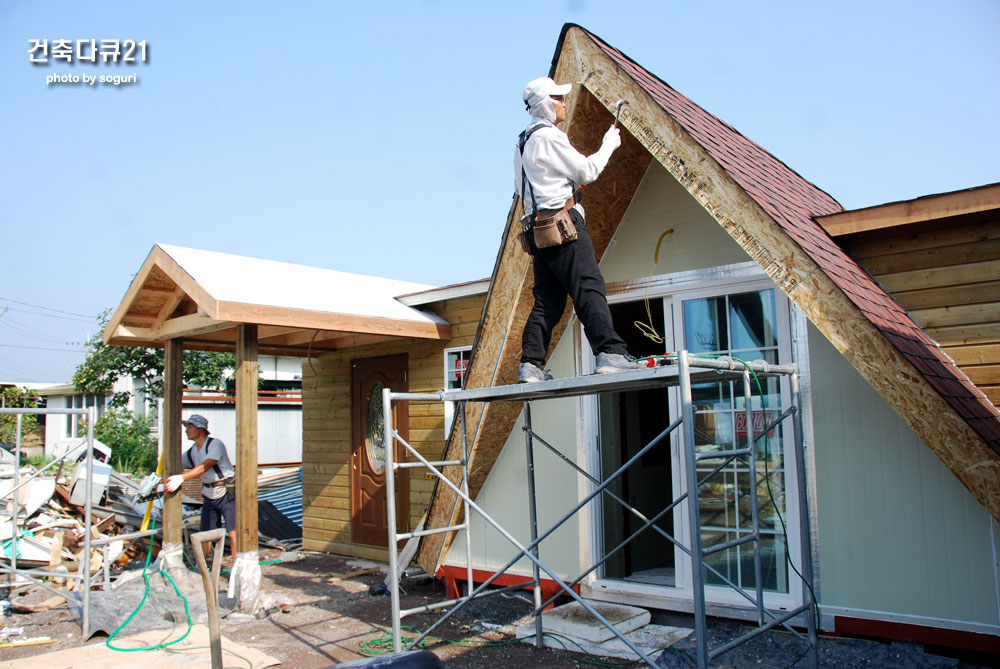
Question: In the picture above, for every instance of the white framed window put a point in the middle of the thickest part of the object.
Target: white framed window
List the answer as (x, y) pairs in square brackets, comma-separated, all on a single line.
[(735, 311), (456, 362)]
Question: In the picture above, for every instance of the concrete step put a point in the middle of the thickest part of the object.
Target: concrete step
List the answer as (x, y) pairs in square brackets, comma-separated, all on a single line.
[(572, 627)]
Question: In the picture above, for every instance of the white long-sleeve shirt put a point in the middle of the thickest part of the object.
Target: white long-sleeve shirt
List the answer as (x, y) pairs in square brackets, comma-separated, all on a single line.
[(554, 168)]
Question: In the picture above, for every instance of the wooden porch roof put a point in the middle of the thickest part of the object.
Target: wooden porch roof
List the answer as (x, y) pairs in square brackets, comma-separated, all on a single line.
[(201, 296)]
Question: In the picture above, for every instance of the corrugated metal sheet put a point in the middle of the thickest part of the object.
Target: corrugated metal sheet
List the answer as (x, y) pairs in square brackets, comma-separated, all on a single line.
[(288, 500), (279, 429)]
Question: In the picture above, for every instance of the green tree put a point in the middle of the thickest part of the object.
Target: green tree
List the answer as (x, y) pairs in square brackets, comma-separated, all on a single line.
[(12, 397), (106, 364), (133, 447)]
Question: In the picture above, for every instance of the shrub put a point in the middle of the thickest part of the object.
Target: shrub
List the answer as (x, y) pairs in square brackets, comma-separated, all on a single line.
[(13, 397), (133, 448)]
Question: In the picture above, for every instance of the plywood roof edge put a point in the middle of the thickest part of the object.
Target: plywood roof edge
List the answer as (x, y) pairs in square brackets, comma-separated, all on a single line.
[(925, 208), (159, 258), (173, 269), (240, 312), (133, 289)]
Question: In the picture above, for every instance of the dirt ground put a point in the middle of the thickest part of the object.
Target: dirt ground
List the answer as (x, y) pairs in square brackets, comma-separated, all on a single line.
[(318, 619)]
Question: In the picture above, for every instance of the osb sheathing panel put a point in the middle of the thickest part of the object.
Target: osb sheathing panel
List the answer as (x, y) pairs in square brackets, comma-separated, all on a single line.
[(931, 418), (498, 347)]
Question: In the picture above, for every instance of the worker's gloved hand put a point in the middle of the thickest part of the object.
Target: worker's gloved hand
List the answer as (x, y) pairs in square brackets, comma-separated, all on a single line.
[(174, 482), (612, 139)]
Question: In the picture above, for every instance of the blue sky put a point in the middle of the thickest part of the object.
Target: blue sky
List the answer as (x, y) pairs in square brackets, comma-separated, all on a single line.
[(377, 139)]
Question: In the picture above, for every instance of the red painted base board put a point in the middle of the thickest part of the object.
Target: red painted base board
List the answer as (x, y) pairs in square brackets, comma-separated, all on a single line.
[(933, 636), (452, 575)]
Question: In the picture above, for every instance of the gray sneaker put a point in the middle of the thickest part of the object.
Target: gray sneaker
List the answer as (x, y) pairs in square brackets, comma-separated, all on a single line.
[(609, 363), (529, 373)]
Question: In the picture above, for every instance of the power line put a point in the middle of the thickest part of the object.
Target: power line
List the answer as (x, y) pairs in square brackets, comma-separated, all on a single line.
[(38, 306), (22, 330), (27, 370), (65, 318), (41, 348)]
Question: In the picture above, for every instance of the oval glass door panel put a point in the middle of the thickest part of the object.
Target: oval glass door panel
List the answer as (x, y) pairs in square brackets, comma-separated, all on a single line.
[(376, 429)]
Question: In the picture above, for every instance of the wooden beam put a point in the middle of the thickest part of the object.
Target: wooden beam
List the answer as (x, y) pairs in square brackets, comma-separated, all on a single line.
[(912, 211), (299, 336), (239, 312), (246, 438), (173, 386), (266, 332), (170, 304), (189, 326)]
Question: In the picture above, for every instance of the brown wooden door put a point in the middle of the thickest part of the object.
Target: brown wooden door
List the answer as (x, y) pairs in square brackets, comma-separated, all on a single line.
[(369, 524)]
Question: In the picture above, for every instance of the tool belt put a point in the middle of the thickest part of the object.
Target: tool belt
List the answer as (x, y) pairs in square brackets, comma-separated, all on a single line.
[(548, 227), (229, 483)]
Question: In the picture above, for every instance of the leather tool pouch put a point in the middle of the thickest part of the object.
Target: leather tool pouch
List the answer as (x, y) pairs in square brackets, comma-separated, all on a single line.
[(231, 489), (553, 228)]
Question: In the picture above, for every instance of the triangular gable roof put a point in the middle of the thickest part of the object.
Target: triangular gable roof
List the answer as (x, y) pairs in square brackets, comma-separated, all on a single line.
[(792, 202), (768, 209), (203, 295)]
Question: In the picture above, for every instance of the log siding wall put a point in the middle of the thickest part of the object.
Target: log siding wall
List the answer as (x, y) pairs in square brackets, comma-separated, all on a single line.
[(946, 273), (326, 428)]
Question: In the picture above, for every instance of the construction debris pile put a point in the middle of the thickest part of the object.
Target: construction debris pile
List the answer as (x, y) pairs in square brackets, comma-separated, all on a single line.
[(48, 512)]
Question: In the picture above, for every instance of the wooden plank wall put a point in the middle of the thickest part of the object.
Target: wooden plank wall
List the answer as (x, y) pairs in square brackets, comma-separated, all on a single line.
[(946, 273), (326, 428)]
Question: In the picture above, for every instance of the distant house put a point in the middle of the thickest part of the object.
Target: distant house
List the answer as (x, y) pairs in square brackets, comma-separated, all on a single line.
[(32, 440), (280, 415)]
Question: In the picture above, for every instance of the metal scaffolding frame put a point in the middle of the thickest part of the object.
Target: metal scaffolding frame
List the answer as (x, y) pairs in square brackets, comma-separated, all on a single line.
[(688, 371), (82, 599)]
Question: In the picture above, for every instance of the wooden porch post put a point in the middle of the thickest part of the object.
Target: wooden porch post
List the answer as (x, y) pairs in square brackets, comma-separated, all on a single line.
[(246, 438), (173, 380)]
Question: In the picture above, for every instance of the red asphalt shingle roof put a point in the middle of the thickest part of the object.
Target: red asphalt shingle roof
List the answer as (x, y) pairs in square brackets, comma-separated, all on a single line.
[(793, 202)]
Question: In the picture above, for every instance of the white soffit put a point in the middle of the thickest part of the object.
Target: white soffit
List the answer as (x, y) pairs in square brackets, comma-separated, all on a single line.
[(238, 279)]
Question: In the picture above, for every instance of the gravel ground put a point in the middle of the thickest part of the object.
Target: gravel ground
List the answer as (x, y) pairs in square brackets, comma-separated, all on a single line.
[(317, 618)]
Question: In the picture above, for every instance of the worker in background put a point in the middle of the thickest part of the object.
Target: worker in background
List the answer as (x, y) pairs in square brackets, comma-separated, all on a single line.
[(548, 172), (207, 458)]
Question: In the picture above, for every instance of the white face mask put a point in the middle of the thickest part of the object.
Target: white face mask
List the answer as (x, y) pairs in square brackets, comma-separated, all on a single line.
[(543, 109)]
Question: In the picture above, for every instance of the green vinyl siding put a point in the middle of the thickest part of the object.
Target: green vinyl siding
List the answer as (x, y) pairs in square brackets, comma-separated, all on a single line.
[(898, 532), (661, 204), (504, 496)]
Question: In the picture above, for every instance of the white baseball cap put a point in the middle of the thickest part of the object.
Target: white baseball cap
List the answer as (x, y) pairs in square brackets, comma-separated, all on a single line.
[(543, 87)]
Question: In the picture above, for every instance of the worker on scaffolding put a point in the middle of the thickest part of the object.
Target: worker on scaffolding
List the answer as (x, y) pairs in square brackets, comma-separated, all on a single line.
[(207, 458), (555, 233)]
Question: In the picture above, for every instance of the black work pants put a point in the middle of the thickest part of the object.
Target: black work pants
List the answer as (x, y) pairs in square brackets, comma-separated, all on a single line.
[(568, 270)]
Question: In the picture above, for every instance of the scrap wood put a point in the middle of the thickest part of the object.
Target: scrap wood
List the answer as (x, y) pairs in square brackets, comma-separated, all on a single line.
[(100, 525), (335, 576), (28, 642)]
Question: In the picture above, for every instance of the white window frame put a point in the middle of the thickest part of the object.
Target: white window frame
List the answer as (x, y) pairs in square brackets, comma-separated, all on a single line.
[(674, 290), (449, 407)]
